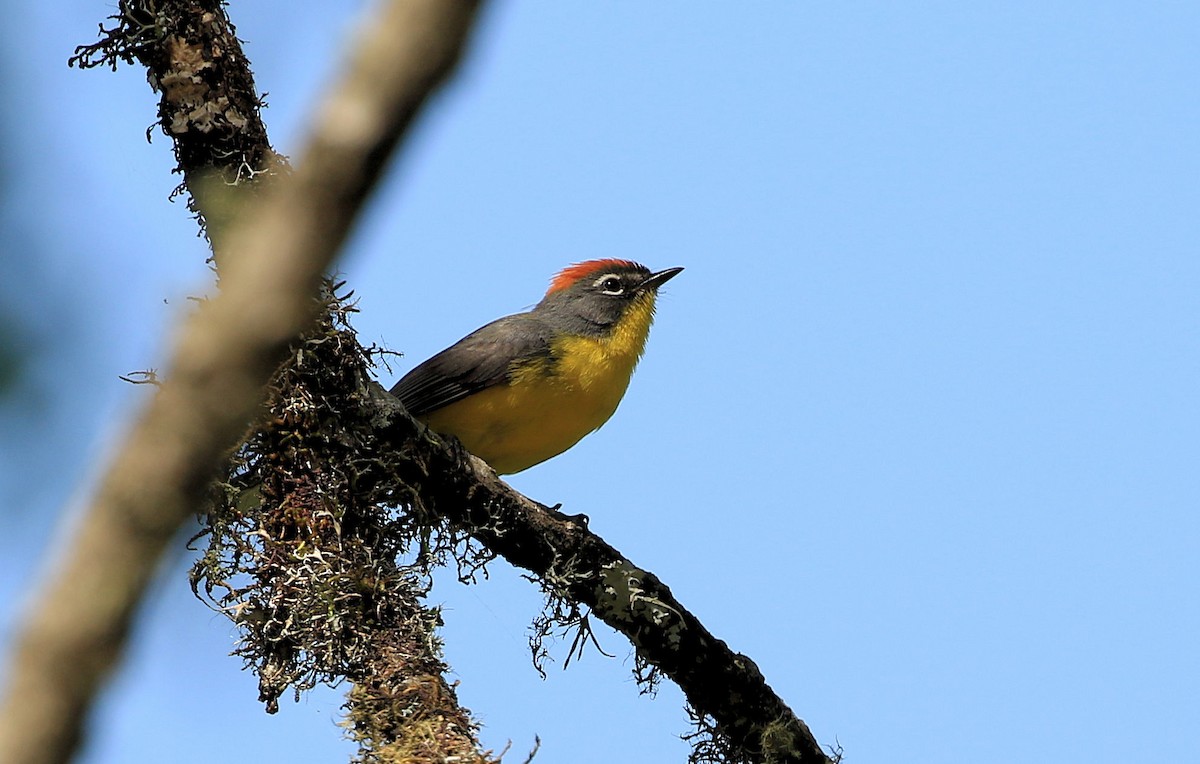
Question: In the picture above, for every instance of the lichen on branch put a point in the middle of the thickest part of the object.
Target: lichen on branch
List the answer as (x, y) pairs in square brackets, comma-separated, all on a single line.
[(305, 546), (208, 103)]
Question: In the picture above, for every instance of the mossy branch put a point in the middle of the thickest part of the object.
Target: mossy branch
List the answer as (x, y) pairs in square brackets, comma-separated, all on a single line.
[(272, 261), (750, 721), (309, 561), (208, 104), (338, 451)]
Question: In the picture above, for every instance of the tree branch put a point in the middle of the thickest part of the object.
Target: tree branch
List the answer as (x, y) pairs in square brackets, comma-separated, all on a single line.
[(215, 380), (718, 682), (343, 474), (208, 104)]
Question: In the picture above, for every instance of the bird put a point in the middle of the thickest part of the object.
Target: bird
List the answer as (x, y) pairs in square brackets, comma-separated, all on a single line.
[(527, 387)]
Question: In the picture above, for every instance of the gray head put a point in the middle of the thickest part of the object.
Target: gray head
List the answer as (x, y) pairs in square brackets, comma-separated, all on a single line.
[(591, 297)]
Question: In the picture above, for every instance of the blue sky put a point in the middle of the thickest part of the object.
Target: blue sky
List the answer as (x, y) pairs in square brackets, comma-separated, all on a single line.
[(917, 429)]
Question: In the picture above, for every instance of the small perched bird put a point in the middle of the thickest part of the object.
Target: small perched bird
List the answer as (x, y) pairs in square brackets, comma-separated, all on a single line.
[(529, 386)]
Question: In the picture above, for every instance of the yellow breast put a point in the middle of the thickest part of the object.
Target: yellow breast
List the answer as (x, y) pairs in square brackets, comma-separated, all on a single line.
[(548, 405)]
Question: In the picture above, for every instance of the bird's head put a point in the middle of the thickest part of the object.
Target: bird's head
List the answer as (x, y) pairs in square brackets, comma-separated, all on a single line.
[(593, 296)]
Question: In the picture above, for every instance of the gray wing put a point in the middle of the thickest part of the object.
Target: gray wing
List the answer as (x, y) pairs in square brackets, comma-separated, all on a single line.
[(478, 361)]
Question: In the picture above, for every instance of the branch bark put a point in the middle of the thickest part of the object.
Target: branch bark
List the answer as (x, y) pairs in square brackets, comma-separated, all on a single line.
[(216, 375), (718, 682), (208, 104)]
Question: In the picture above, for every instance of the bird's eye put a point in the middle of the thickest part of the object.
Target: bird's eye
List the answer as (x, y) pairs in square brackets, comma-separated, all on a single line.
[(611, 285)]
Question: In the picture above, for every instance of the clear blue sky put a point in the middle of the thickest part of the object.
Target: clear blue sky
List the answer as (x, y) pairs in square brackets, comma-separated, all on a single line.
[(917, 429)]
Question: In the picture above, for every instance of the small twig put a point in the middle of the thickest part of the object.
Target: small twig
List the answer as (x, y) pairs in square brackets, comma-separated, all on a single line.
[(147, 377)]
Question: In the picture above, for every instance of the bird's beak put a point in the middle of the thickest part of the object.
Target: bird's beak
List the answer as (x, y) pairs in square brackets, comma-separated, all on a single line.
[(655, 280)]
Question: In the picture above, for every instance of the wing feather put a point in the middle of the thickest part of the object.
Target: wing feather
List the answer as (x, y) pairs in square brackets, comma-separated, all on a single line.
[(478, 361)]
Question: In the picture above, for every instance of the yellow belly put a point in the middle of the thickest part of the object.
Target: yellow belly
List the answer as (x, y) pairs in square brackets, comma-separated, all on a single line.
[(548, 406)]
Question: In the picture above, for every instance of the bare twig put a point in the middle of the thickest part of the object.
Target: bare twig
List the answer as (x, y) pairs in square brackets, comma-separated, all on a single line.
[(214, 382)]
